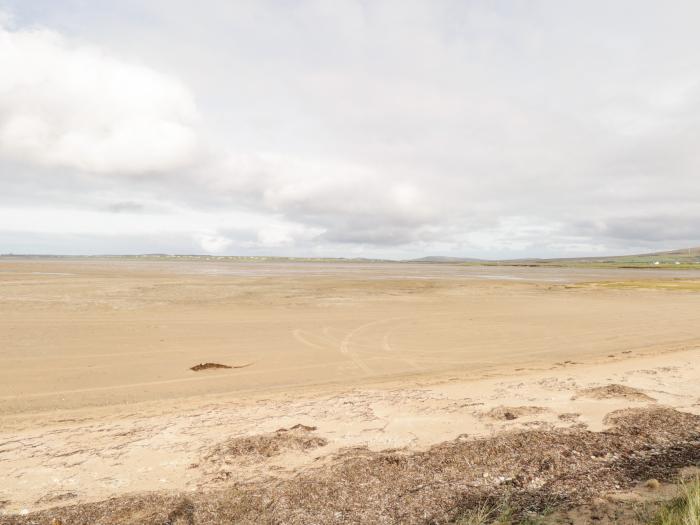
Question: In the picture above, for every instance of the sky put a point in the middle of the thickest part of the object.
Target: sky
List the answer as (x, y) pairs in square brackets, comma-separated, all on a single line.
[(383, 128)]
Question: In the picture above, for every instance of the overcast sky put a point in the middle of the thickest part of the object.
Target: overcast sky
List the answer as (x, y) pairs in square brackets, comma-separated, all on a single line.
[(349, 128)]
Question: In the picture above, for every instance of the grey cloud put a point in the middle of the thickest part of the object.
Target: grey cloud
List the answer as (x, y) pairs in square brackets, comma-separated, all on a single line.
[(470, 128), (653, 228)]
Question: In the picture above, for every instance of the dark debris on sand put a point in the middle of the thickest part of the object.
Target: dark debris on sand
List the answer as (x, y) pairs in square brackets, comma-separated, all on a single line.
[(614, 391), (533, 469), (262, 446), (207, 366)]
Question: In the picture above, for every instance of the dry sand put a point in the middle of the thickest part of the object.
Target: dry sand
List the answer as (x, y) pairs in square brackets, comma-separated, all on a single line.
[(98, 399)]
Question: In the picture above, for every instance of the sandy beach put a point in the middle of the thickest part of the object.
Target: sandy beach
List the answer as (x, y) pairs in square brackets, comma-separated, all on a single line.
[(98, 399)]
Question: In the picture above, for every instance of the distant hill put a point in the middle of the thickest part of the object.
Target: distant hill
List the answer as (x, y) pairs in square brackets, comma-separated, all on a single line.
[(678, 259), (683, 258), (201, 257), (685, 252), (441, 259)]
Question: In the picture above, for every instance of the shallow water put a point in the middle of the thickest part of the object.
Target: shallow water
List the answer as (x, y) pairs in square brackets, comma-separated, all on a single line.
[(360, 270)]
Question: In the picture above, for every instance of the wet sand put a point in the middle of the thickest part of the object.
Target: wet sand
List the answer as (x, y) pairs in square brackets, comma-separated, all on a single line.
[(97, 397)]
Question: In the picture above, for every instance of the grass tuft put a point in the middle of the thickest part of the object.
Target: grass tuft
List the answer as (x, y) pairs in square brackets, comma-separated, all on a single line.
[(482, 515), (502, 514), (683, 510)]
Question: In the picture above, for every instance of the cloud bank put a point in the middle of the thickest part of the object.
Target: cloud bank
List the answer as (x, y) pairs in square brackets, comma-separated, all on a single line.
[(386, 129), (71, 105)]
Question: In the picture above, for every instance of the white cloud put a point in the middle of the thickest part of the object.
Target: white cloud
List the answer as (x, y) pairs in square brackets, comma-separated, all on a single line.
[(212, 242), (69, 104), (326, 193), (285, 234)]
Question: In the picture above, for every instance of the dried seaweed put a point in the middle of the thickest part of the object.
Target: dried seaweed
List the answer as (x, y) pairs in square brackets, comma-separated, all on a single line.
[(533, 470)]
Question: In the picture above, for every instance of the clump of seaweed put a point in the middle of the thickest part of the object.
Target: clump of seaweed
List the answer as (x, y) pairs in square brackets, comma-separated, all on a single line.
[(510, 413), (207, 366), (262, 446), (614, 391)]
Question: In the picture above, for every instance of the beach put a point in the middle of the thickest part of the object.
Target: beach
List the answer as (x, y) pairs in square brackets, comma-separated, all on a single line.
[(319, 362)]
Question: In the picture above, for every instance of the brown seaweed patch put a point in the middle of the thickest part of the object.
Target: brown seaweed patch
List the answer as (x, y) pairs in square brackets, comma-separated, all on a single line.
[(208, 366), (570, 417), (613, 391), (535, 470), (262, 446), (510, 413), (56, 497)]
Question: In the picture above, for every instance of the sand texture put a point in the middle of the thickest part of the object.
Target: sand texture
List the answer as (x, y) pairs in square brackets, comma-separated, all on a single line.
[(314, 371)]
